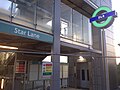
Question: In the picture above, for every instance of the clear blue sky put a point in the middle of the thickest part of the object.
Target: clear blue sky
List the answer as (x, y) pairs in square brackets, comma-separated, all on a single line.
[(116, 27)]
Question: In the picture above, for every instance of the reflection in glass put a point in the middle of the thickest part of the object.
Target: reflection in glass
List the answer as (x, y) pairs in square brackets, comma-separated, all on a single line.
[(5, 4), (86, 30), (64, 28), (97, 2), (74, 25), (44, 15), (66, 21), (15, 10), (37, 14), (23, 12), (5, 9), (77, 26)]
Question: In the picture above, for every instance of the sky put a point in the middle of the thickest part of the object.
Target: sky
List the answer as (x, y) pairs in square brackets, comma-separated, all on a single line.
[(116, 27)]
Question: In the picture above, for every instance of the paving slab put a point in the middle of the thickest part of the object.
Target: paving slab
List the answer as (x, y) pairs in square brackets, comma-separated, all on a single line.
[(71, 89)]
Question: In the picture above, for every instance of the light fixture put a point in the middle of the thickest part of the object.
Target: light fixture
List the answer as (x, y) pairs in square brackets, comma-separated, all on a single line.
[(7, 47), (81, 59), (2, 83)]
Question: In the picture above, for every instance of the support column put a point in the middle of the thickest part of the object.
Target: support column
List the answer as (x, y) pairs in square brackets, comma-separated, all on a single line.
[(105, 62), (72, 76), (55, 82)]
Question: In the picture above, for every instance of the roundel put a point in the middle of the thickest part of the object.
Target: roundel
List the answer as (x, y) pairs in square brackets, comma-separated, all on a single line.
[(104, 19)]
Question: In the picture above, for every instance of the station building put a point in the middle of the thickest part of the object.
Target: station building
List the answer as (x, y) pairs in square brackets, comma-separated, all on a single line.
[(26, 39)]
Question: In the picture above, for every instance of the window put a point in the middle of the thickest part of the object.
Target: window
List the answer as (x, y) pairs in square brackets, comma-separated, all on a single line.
[(44, 15), (64, 28), (83, 74), (77, 26), (74, 25), (66, 21), (23, 13), (88, 75), (5, 6), (5, 9)]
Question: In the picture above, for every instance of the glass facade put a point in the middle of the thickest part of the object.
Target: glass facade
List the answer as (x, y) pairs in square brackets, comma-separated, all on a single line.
[(97, 2), (29, 13), (23, 13), (76, 26), (66, 18), (102, 2), (44, 15), (5, 9), (38, 15)]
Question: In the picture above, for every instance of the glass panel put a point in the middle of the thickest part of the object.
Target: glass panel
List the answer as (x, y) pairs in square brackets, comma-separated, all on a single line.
[(97, 2), (77, 26), (83, 74), (5, 9), (88, 75), (86, 29), (44, 15), (64, 28), (66, 21), (23, 12)]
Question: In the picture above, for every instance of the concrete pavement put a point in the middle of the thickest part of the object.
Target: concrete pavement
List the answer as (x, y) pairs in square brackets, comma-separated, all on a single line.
[(71, 89)]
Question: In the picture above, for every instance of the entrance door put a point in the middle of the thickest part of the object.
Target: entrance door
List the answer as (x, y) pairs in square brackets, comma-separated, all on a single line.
[(84, 75)]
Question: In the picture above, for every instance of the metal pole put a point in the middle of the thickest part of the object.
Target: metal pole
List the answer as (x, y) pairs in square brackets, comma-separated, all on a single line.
[(55, 82), (105, 62), (11, 16)]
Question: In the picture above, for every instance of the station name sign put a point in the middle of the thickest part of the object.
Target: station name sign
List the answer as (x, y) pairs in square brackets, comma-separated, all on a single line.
[(103, 17), (26, 33), (12, 29)]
